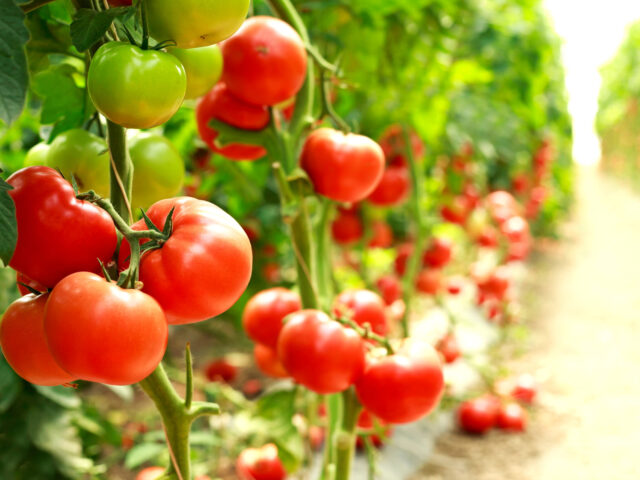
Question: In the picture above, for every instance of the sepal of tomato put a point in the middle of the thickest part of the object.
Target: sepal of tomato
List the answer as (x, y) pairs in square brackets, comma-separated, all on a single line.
[(402, 387), (320, 353), (363, 307), (100, 332), (24, 343), (57, 233), (204, 266)]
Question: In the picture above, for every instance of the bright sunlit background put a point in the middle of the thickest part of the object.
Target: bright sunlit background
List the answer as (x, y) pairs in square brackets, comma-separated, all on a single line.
[(592, 31)]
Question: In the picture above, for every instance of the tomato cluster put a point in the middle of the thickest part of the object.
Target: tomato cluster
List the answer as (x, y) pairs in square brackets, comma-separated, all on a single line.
[(83, 326)]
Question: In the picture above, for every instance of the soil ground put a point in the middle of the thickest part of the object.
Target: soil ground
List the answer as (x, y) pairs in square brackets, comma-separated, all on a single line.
[(583, 308)]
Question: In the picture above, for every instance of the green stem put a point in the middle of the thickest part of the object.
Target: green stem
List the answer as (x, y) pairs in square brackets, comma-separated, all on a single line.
[(366, 333), (121, 170), (324, 273), (413, 263), (345, 442), (34, 5), (145, 24)]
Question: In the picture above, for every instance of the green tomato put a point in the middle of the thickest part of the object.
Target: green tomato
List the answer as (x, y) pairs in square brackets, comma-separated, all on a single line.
[(158, 170), (37, 155), (203, 66), (136, 88), (195, 23), (83, 155)]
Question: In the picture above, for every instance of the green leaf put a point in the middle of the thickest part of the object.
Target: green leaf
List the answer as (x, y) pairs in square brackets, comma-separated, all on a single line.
[(89, 26), (8, 222), (142, 453), (14, 78), (63, 396), (10, 385)]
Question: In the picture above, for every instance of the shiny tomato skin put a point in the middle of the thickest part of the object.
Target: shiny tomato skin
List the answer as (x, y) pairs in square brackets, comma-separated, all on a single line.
[(23, 279), (319, 353), (195, 23), (362, 306), (438, 254), (264, 313), (512, 417), (478, 415), (390, 288), (347, 228), (136, 88), (202, 269), (265, 61), (429, 281), (100, 332), (267, 361), (402, 387), (220, 104), (24, 343), (203, 67), (343, 167), (260, 464), (54, 228), (393, 189)]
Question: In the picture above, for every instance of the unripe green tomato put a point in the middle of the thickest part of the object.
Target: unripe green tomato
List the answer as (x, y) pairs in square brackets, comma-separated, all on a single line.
[(158, 170), (203, 66), (136, 88), (37, 155), (83, 155), (195, 23)]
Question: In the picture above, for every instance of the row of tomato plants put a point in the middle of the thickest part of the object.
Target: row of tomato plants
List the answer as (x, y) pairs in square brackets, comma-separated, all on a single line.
[(187, 260)]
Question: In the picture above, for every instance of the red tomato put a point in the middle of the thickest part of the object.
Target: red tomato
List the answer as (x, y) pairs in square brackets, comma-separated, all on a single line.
[(24, 344), (516, 229), (478, 415), (316, 437), (119, 3), (271, 272), (449, 348), (264, 312), (362, 306), (495, 284), (267, 361), (390, 288), (518, 251), (456, 210), (520, 183), (150, 473), (402, 258), (220, 104), (265, 61), (221, 370), (455, 285), (429, 281), (260, 464), (393, 142), (203, 268), (320, 353), (525, 389), (252, 388), (512, 417), (382, 235), (393, 188), (471, 195), (403, 387), (438, 254), (347, 228), (100, 332), (23, 279), (344, 168), (57, 234), (502, 205), (488, 237)]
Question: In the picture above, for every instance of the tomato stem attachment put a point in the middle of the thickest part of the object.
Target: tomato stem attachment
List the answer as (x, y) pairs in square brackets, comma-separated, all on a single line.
[(327, 107), (145, 25), (366, 333)]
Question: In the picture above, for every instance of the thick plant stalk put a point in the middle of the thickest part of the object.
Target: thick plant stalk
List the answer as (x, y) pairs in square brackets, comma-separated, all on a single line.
[(345, 441)]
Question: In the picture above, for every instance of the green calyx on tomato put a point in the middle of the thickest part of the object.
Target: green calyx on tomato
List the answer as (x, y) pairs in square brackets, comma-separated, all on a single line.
[(195, 23), (203, 66), (159, 169), (136, 88), (84, 156)]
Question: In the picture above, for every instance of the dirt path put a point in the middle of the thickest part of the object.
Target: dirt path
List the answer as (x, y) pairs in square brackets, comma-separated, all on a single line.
[(584, 312)]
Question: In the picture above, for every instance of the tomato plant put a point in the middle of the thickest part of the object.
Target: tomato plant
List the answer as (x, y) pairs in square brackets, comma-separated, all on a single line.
[(363, 307), (478, 415), (264, 314), (512, 417), (260, 464), (203, 67)]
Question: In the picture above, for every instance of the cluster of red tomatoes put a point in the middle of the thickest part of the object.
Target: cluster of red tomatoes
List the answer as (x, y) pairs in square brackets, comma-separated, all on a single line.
[(328, 357), (81, 326)]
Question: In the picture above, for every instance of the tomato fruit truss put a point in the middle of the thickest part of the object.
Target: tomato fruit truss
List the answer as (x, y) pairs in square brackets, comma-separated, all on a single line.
[(24, 344), (267, 361), (195, 23), (221, 105), (363, 307), (319, 353), (57, 233), (136, 88), (343, 167), (204, 266), (260, 464), (265, 62), (263, 315), (100, 332), (402, 387)]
